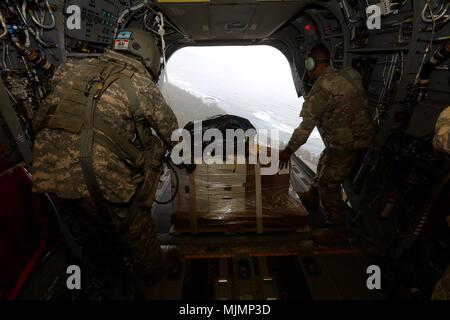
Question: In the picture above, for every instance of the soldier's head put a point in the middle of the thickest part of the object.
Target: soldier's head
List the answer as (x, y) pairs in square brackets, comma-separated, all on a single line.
[(139, 44), (318, 60)]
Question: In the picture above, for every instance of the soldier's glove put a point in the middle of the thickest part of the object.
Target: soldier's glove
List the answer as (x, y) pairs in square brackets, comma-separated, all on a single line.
[(285, 156)]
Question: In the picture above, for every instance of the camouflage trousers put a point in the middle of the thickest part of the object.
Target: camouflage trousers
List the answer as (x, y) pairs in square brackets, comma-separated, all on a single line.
[(442, 288), (441, 140), (141, 248), (332, 170)]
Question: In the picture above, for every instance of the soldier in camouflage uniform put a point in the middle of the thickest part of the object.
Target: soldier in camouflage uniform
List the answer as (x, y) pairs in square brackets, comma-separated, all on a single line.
[(57, 168), (337, 105), (441, 139), (441, 142), (441, 290)]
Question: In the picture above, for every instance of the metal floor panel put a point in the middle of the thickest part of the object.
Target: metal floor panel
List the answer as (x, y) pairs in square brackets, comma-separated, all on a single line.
[(342, 276)]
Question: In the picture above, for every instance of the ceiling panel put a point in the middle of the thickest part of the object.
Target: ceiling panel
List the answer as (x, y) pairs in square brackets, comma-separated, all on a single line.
[(224, 20)]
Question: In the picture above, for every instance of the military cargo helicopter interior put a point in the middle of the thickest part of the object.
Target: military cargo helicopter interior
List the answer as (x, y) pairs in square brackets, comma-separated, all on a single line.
[(397, 194)]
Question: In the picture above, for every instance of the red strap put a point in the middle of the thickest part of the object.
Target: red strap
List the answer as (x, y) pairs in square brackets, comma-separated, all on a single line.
[(26, 272)]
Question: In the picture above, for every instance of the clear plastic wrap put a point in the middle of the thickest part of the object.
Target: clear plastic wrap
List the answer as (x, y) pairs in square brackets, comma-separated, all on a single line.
[(225, 196)]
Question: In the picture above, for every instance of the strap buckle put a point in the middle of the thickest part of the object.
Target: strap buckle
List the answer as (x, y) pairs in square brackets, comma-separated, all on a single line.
[(99, 84), (139, 117)]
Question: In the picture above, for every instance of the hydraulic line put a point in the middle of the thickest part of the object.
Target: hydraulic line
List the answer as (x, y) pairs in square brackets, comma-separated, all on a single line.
[(3, 24), (439, 56), (443, 9), (429, 45), (33, 56), (388, 74), (343, 5), (21, 11), (41, 23)]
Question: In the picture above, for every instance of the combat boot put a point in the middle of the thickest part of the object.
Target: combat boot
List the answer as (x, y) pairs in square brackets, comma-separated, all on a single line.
[(170, 268), (173, 265), (310, 197), (333, 236)]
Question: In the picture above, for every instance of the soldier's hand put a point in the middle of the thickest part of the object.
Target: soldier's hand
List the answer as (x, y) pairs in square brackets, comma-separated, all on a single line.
[(285, 156)]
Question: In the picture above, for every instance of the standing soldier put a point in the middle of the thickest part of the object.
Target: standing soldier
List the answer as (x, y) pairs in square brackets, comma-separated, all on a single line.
[(337, 105), (441, 140), (100, 142)]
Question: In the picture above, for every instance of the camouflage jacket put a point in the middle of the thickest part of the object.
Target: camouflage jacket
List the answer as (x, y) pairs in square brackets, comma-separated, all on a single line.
[(441, 290), (441, 139), (337, 105), (56, 165)]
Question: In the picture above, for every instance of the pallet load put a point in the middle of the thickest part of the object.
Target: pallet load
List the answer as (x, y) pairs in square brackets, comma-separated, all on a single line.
[(236, 198)]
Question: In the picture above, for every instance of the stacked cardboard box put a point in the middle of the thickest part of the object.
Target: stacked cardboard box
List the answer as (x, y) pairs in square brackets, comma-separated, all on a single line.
[(225, 196), (215, 189)]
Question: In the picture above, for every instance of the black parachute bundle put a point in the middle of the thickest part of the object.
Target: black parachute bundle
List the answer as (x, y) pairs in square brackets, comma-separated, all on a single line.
[(221, 123)]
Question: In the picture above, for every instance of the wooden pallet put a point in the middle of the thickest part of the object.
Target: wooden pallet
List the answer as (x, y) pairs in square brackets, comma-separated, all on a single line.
[(238, 229)]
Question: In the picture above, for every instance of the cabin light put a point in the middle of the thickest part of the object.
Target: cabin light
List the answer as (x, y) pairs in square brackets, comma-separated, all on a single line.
[(307, 27)]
